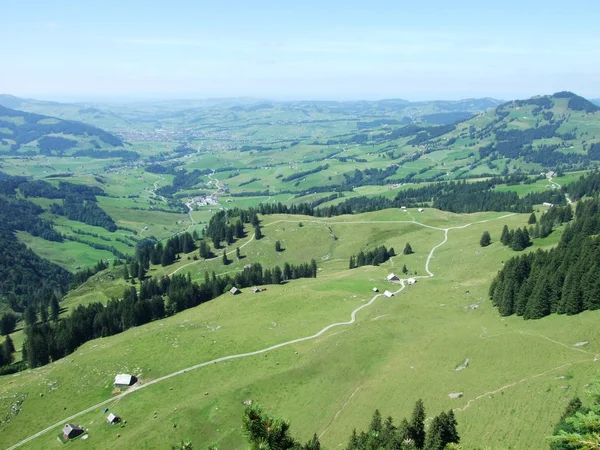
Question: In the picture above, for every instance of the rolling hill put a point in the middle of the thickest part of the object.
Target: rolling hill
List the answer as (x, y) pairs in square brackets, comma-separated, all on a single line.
[(29, 134)]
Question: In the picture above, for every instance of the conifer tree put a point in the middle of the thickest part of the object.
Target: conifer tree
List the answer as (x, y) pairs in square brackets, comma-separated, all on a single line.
[(407, 249), (486, 239), (55, 308), (532, 219), (505, 236), (125, 272), (225, 260), (416, 429), (257, 232), (237, 253), (277, 246), (404, 269)]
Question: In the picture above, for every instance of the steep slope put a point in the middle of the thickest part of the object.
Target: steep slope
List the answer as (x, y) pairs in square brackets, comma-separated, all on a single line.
[(23, 132)]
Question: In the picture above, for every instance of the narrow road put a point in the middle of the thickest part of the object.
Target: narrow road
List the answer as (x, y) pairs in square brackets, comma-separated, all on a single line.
[(558, 186), (264, 350)]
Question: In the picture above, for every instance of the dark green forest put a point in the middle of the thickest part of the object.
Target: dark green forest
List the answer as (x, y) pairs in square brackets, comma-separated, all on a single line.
[(564, 280)]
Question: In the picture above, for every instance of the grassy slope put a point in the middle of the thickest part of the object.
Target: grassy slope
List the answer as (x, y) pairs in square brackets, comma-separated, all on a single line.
[(399, 349)]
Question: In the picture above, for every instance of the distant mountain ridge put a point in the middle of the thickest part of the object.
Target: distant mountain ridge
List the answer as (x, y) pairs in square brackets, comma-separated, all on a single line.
[(35, 133)]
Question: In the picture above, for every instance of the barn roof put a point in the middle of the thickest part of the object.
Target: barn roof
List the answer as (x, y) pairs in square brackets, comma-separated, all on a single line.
[(123, 379)]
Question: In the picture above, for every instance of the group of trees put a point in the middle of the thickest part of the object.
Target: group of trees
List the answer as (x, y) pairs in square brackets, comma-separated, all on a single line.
[(7, 348), (578, 426), (454, 196), (229, 225), (373, 257), (47, 340), (517, 240), (86, 211), (25, 278), (266, 432), (150, 252), (564, 280)]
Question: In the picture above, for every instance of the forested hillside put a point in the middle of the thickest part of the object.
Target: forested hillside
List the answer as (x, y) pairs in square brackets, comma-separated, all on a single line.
[(564, 280), (30, 134)]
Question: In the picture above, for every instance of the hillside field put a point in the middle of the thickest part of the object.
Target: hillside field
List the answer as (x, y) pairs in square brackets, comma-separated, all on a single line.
[(519, 378)]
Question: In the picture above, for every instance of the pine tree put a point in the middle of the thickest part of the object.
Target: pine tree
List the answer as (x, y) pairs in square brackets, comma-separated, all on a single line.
[(238, 255), (141, 272), (407, 249), (505, 236), (486, 239), (54, 308), (532, 219), (7, 350), (416, 429), (352, 264), (435, 433), (313, 444), (277, 246), (257, 232), (404, 269), (8, 321), (125, 272), (225, 260), (376, 423)]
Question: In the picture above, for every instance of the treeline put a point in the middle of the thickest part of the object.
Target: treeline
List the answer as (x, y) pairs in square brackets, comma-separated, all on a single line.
[(84, 210), (585, 185), (51, 340), (25, 278), (83, 275), (23, 215), (564, 280), (148, 252), (373, 257), (297, 175), (264, 431), (127, 155), (454, 196)]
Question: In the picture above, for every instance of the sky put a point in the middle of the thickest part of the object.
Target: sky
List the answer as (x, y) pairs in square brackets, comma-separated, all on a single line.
[(303, 49)]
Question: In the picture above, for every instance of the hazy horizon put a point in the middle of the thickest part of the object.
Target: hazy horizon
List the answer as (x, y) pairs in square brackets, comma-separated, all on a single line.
[(132, 51)]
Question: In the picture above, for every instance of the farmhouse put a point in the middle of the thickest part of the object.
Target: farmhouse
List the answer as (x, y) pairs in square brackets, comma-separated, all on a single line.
[(113, 418), (411, 281), (234, 291), (375, 289), (547, 204), (392, 277), (256, 289), (403, 207), (388, 294), (123, 379), (71, 431), (420, 210)]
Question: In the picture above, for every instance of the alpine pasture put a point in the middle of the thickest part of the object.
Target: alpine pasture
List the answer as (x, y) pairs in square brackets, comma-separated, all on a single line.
[(519, 377)]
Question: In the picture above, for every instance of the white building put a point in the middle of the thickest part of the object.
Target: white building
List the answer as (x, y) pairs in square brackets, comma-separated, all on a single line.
[(388, 294)]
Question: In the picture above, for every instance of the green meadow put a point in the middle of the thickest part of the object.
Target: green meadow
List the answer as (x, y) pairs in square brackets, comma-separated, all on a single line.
[(519, 378)]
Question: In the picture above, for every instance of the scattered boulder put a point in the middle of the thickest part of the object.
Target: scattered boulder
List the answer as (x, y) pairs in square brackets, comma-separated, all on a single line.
[(247, 403), (464, 365)]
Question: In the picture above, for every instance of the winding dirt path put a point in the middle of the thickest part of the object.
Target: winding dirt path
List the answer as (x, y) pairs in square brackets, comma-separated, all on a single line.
[(352, 320)]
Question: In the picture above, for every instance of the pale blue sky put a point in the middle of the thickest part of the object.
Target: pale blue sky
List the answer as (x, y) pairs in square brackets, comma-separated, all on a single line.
[(302, 49)]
